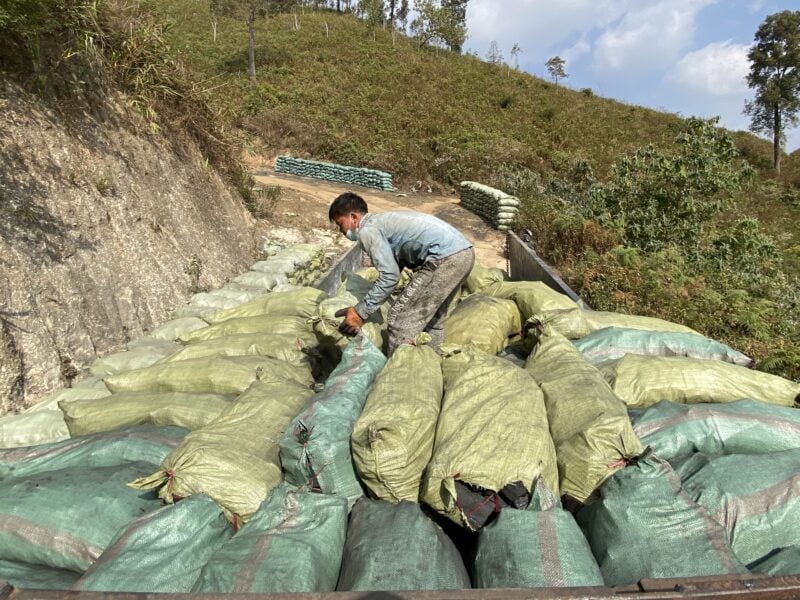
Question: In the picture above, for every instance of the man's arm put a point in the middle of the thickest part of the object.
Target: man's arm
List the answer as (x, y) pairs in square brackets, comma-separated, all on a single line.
[(380, 252)]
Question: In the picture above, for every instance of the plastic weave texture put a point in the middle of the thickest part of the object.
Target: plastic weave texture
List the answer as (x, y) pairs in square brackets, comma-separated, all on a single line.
[(397, 547)]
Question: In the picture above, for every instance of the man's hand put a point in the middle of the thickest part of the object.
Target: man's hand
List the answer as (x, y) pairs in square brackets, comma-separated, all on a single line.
[(352, 320)]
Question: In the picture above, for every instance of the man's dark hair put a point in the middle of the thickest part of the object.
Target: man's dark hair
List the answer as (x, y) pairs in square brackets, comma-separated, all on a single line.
[(345, 204)]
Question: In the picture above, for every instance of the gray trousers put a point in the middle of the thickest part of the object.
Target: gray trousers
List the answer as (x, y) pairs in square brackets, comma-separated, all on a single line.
[(422, 305)]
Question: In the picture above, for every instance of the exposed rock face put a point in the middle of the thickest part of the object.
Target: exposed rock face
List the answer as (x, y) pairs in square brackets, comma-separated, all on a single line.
[(98, 224)]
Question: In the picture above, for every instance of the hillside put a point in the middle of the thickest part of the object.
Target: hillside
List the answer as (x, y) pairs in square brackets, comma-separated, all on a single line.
[(329, 91), (334, 90), (102, 220), (422, 114)]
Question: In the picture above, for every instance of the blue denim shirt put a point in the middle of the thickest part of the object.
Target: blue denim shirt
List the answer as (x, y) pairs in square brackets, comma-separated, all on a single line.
[(398, 239)]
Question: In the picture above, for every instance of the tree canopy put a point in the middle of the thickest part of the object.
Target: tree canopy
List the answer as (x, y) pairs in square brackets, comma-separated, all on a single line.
[(440, 21), (555, 66), (775, 77)]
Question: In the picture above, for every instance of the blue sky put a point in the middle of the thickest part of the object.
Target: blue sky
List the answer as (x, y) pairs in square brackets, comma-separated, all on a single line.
[(682, 56)]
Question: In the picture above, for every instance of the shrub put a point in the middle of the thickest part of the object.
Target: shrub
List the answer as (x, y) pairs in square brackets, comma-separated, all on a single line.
[(657, 199)]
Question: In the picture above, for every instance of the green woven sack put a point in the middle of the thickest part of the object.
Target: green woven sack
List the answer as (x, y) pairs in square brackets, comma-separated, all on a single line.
[(163, 551), (292, 544), (65, 519), (397, 547), (743, 427), (89, 389), (615, 342), (645, 526), (576, 323), (259, 279), (143, 444), (272, 325), (326, 324), (31, 428), (591, 430), (531, 297), (756, 497), (182, 409), (392, 440), (315, 450), (301, 302), (785, 561), (201, 312), (481, 278), (492, 432), (36, 577), (643, 381), (350, 292), (138, 358), (233, 459), (173, 330), (228, 375), (287, 348), (534, 549), (483, 322)]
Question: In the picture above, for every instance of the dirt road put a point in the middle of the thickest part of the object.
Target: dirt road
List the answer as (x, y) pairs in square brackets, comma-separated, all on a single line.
[(304, 203)]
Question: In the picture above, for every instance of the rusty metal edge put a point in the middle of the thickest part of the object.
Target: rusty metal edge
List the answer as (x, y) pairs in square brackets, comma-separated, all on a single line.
[(526, 265), (751, 587)]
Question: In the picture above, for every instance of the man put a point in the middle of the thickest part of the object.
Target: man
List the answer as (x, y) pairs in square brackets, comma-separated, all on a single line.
[(440, 256)]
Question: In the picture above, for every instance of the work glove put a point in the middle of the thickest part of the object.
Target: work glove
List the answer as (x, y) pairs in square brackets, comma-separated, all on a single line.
[(352, 320)]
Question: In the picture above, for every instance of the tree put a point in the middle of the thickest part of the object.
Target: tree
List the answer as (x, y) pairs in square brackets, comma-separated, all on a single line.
[(775, 76), (515, 52), (436, 23), (248, 11), (374, 13), (457, 15), (493, 55), (392, 13), (555, 66), (402, 13)]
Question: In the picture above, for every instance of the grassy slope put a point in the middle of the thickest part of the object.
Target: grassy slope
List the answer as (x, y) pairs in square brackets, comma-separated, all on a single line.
[(421, 115), (418, 114)]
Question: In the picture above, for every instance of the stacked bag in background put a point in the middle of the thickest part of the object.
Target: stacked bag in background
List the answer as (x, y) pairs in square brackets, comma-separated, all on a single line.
[(116, 372), (495, 206), (283, 267), (333, 172)]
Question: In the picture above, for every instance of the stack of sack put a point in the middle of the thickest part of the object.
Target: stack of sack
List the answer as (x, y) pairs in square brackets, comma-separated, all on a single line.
[(547, 446), (333, 172), (300, 264), (497, 207)]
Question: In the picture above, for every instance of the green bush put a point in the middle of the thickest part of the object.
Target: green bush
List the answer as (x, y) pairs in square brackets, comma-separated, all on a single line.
[(657, 198)]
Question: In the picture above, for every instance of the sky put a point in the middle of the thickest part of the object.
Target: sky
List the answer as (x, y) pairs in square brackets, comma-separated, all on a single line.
[(687, 57)]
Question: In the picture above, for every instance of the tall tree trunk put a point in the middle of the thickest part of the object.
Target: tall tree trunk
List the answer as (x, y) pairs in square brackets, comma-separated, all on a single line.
[(391, 13), (251, 45), (776, 139), (338, 6)]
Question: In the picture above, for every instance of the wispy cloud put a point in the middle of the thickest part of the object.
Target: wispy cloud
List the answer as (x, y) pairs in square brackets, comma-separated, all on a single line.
[(649, 38), (539, 26), (719, 69)]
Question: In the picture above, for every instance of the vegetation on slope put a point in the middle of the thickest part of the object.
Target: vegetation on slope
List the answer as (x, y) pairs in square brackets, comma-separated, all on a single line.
[(76, 53)]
